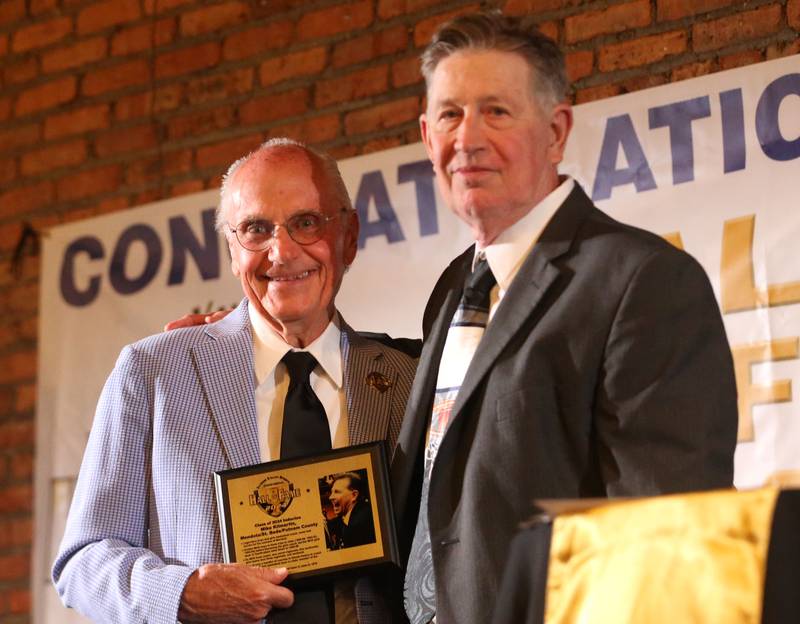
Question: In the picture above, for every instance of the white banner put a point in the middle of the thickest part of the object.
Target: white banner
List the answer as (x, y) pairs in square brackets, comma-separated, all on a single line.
[(710, 163)]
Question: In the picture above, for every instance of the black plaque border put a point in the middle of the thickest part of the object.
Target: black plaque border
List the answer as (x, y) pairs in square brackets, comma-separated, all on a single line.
[(380, 490)]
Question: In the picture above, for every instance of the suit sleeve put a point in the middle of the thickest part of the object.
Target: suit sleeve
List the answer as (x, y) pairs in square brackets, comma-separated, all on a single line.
[(104, 569), (666, 416)]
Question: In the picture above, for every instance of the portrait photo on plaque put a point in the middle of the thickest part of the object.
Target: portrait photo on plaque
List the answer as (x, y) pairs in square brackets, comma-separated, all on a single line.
[(345, 503), (320, 515)]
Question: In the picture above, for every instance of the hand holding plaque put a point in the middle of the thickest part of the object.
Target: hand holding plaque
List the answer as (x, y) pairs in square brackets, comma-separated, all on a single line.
[(218, 592), (317, 516)]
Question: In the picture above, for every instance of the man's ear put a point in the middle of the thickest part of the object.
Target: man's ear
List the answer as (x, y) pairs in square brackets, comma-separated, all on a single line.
[(352, 227), (560, 126), (232, 242), (424, 131), (230, 238)]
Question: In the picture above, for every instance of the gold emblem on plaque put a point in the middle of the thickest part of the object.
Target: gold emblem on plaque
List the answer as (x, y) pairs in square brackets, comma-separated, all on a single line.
[(274, 495)]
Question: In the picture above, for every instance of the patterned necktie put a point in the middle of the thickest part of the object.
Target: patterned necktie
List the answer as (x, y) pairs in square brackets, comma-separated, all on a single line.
[(465, 332), (305, 431), (305, 426)]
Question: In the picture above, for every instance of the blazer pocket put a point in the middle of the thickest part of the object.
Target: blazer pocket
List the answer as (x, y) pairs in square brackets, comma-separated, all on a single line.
[(533, 404), (518, 404)]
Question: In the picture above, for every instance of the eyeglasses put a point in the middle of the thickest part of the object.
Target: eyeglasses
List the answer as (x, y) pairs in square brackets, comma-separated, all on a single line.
[(304, 228)]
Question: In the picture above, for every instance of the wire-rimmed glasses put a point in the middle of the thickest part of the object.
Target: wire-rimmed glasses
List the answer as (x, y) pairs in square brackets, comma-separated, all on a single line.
[(305, 228)]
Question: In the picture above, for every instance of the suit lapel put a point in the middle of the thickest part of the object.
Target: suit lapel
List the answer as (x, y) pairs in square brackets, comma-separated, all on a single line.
[(424, 386), (224, 365), (536, 275), (369, 384), (407, 459)]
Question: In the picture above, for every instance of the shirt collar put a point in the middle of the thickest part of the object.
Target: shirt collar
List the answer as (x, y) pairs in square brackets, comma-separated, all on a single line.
[(269, 347), (507, 252)]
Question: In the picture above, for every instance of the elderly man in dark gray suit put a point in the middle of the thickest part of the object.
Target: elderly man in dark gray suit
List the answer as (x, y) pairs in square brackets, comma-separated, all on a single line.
[(565, 354)]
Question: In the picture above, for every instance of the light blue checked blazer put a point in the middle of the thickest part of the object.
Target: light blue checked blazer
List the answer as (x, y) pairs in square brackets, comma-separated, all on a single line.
[(177, 407)]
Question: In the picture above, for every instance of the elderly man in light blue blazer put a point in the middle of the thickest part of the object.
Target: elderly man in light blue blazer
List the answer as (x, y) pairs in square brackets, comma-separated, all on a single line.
[(142, 538)]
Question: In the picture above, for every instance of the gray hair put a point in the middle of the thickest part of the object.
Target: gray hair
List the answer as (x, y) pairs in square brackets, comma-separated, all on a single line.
[(491, 30), (328, 164)]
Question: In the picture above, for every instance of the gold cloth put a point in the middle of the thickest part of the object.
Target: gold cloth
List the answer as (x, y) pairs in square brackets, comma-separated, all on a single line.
[(672, 559)]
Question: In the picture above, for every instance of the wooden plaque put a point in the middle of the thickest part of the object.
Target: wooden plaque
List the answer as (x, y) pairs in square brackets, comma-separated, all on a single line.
[(318, 516)]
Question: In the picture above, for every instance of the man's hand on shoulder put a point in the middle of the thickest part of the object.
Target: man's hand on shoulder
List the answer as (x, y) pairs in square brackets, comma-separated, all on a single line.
[(232, 592), (190, 320)]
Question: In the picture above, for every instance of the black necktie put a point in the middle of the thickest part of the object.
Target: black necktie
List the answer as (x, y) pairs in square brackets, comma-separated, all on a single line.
[(305, 431), (305, 426)]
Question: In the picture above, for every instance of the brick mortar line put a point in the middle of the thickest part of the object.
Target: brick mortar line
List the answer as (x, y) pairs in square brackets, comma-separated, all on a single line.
[(598, 78), (161, 121)]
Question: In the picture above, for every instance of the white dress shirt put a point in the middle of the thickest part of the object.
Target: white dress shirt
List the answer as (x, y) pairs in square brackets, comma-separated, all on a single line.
[(272, 382), (508, 251)]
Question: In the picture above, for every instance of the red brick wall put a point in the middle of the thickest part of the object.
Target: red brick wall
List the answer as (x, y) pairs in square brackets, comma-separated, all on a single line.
[(106, 105)]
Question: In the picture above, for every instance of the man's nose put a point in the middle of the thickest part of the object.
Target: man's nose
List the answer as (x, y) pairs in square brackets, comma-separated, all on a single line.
[(470, 135), (282, 247)]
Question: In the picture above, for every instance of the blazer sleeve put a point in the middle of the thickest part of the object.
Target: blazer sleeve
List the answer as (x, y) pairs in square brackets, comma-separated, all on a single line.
[(104, 569), (666, 410)]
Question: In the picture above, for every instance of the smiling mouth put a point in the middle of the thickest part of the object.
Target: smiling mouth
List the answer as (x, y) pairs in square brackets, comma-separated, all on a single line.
[(289, 278)]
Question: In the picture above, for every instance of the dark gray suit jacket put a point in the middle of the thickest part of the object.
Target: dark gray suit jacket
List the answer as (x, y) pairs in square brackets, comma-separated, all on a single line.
[(604, 372), (361, 528)]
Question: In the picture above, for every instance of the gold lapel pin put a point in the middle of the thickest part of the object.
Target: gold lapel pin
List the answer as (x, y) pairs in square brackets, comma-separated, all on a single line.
[(379, 382)]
